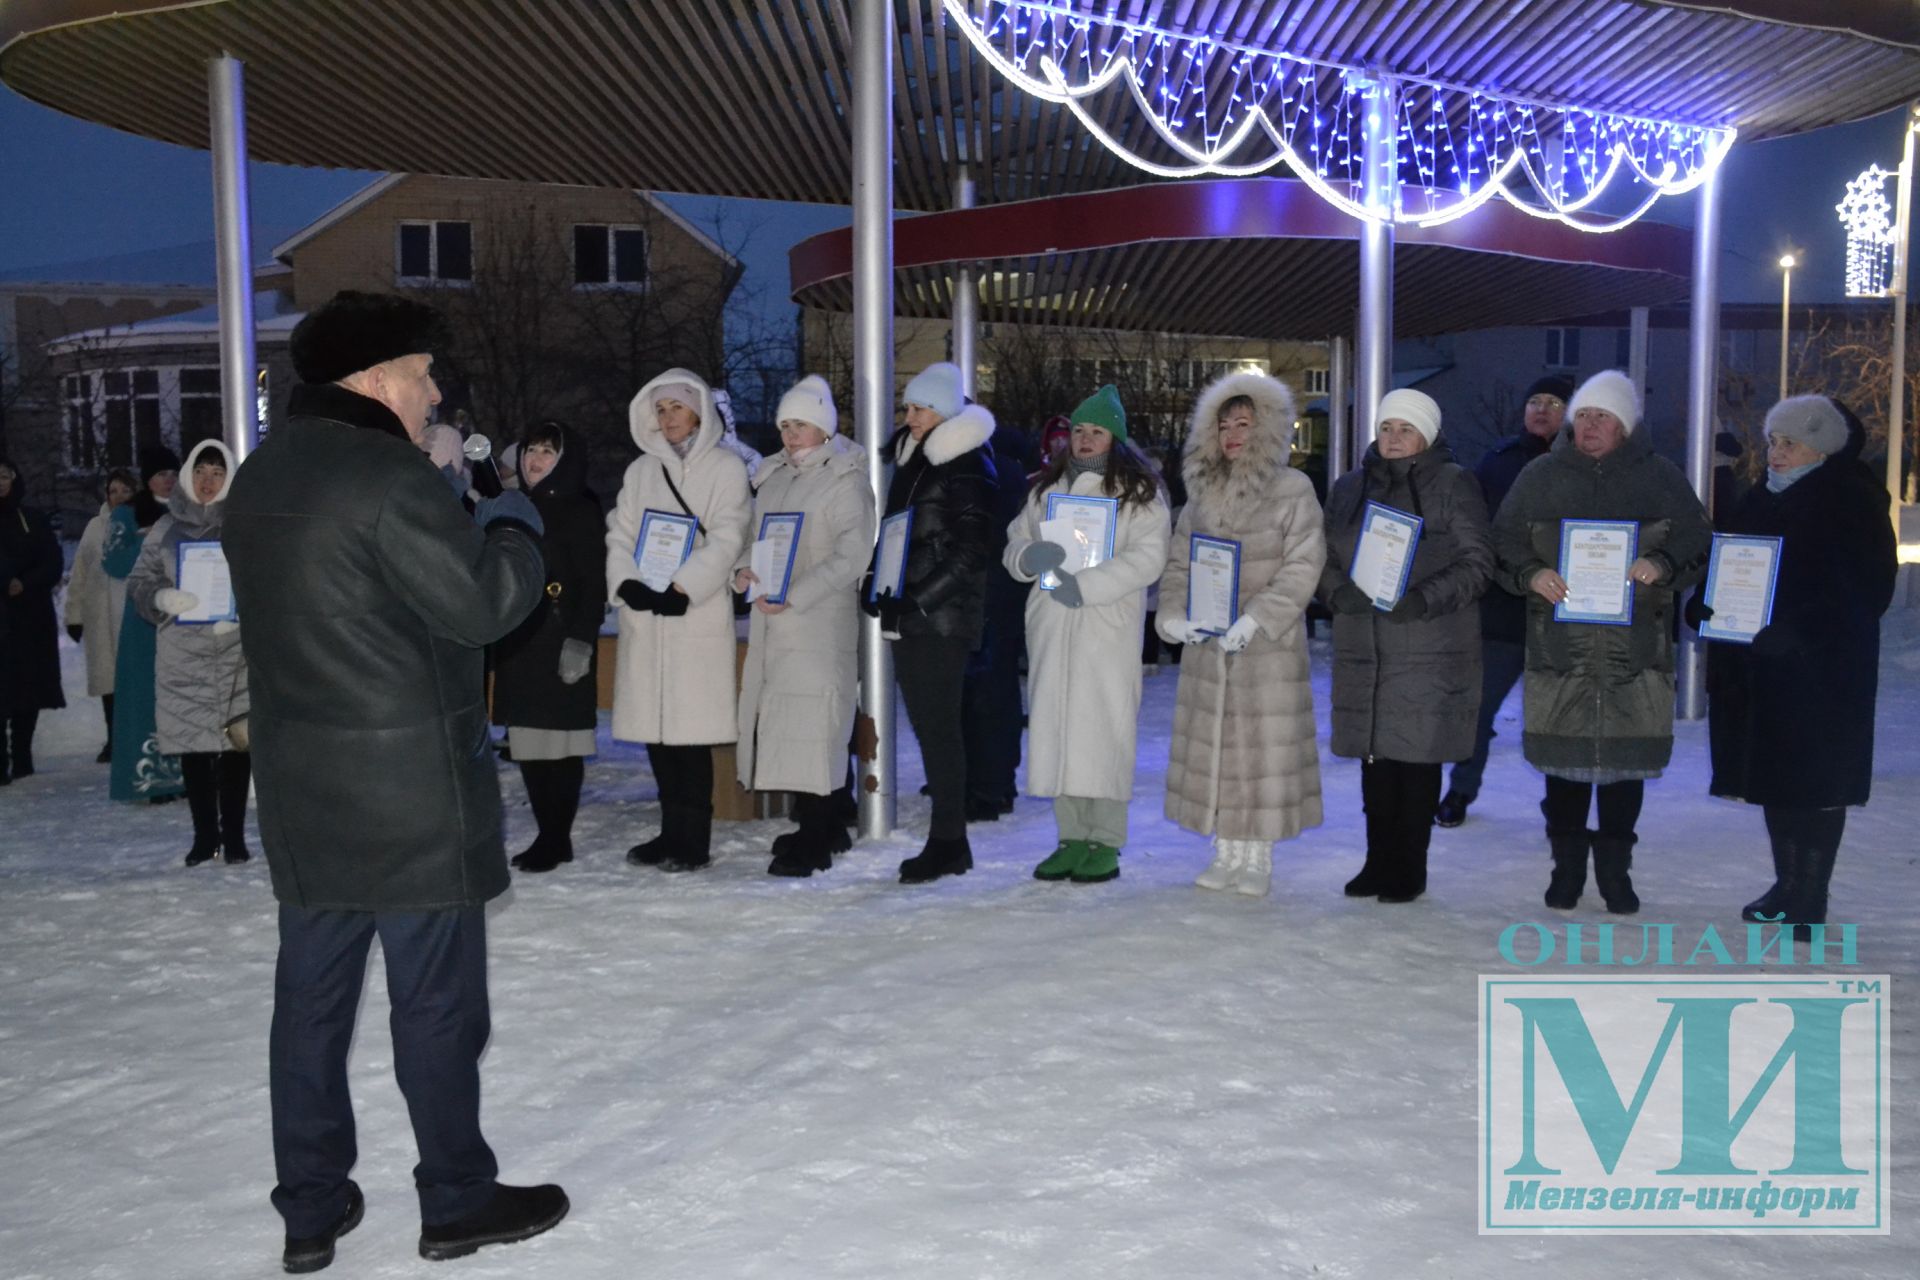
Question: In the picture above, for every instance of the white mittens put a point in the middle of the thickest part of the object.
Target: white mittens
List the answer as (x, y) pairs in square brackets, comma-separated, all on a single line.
[(174, 601), (1240, 634)]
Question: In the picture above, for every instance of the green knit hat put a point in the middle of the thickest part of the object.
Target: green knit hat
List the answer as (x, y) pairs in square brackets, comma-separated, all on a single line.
[(1103, 409)]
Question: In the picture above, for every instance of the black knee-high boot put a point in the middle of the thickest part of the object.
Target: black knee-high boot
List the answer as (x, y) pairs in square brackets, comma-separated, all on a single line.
[(21, 728), (106, 752), (236, 773), (197, 771), (553, 792)]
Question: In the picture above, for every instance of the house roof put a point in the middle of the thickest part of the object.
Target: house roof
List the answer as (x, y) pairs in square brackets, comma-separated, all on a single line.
[(284, 251), (273, 322)]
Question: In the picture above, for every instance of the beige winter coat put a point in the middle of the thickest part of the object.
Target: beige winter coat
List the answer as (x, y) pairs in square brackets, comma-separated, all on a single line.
[(1243, 763), (95, 601), (1083, 665), (673, 677), (799, 689)]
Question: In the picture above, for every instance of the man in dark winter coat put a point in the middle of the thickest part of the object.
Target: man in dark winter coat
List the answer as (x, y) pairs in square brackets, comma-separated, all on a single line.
[(1503, 616), (30, 567), (991, 711), (366, 596)]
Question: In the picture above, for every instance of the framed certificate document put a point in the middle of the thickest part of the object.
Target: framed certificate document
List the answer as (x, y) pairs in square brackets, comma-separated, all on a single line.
[(1594, 558), (773, 555), (1742, 571), (1213, 583), (1084, 527), (200, 568), (1383, 557), (890, 564), (664, 544)]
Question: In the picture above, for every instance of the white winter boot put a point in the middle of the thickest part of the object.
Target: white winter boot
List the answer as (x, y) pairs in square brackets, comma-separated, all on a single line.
[(1254, 875), (1227, 856)]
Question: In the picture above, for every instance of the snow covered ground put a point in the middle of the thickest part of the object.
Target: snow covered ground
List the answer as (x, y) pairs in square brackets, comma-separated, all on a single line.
[(739, 1076)]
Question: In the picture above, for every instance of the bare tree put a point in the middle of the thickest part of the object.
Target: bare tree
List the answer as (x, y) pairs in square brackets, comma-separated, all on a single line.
[(1850, 358)]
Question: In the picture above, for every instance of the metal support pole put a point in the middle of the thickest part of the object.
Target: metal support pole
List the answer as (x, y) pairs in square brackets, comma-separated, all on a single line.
[(966, 300), (233, 253), (1897, 399), (1637, 323), (1339, 419), (1373, 339), (873, 41), (1703, 389), (1786, 304)]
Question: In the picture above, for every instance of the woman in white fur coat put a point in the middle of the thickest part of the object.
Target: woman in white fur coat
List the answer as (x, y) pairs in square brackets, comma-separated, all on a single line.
[(1243, 765), (1083, 640), (799, 689), (673, 677), (96, 599)]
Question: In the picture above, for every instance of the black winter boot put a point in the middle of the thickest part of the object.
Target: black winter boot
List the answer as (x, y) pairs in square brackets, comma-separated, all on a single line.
[(691, 850), (942, 856), (1569, 869), (1375, 806), (1812, 871), (1778, 898), (1612, 857), (21, 727), (203, 802), (651, 853), (305, 1254), (553, 794), (106, 752), (236, 773), (514, 1214)]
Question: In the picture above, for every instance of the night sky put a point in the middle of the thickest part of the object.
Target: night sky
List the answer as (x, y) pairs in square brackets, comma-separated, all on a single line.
[(76, 191)]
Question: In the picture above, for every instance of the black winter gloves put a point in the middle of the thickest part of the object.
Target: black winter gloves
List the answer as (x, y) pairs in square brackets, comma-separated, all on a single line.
[(1412, 607), (1348, 598), (1696, 610), (641, 598), (74, 632)]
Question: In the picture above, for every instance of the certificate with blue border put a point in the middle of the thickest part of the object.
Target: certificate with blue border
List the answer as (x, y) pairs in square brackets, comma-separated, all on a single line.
[(1742, 572), (200, 569), (1089, 538), (665, 542), (890, 557), (1595, 556), (1213, 583), (780, 535), (1383, 555)]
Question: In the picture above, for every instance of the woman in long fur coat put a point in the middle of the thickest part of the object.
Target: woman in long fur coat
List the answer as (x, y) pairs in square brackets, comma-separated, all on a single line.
[(1243, 766)]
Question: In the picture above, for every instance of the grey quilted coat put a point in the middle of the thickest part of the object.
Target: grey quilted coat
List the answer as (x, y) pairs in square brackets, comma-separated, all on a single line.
[(1410, 691), (199, 678)]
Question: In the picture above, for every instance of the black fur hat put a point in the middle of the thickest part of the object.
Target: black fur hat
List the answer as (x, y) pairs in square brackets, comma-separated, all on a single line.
[(352, 331), (157, 458)]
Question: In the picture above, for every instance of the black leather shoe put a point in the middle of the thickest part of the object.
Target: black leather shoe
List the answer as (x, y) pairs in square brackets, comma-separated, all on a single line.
[(514, 1214), (1451, 811), (941, 857), (315, 1253)]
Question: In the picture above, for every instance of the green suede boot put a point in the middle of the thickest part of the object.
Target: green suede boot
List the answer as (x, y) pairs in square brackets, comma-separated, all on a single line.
[(1063, 861), (1101, 863)]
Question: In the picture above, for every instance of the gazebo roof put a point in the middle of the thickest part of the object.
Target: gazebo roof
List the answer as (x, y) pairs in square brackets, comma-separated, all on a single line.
[(1250, 258), (729, 98)]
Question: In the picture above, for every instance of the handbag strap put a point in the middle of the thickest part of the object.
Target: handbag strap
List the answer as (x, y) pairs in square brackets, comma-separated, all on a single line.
[(675, 490)]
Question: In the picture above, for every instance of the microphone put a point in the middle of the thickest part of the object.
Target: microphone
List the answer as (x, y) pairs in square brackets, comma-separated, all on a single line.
[(486, 478)]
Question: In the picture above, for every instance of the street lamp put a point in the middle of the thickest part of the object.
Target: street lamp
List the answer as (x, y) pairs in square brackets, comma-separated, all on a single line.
[(1787, 264)]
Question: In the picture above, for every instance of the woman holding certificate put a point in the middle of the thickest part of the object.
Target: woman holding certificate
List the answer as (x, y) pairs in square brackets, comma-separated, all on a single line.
[(672, 541), (1598, 535), (938, 539), (96, 599), (1409, 554), (1810, 557), (1094, 534), (813, 525), (180, 585), (543, 671), (1244, 562)]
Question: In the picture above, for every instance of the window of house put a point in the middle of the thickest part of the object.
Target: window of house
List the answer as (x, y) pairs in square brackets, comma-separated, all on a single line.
[(83, 450), (1316, 381), (435, 252), (1563, 348), (132, 415), (609, 255), (199, 406)]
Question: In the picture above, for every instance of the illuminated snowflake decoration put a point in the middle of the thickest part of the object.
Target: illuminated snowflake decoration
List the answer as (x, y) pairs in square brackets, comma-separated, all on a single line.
[(1868, 217), (1216, 106)]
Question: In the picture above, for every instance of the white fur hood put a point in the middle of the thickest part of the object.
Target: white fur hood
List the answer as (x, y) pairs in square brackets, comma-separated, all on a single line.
[(968, 429)]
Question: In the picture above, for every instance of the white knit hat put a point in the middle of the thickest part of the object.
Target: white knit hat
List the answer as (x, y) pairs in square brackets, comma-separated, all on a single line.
[(1809, 420), (810, 400), (1612, 391), (1416, 408), (938, 388)]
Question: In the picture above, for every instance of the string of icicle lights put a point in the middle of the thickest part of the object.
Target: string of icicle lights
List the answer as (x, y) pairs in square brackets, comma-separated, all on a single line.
[(1217, 106)]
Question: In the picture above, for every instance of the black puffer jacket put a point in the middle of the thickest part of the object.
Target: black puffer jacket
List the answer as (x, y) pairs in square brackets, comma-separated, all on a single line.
[(367, 596), (1503, 615), (1791, 718), (526, 665), (951, 485), (1599, 698), (1410, 690), (29, 630)]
